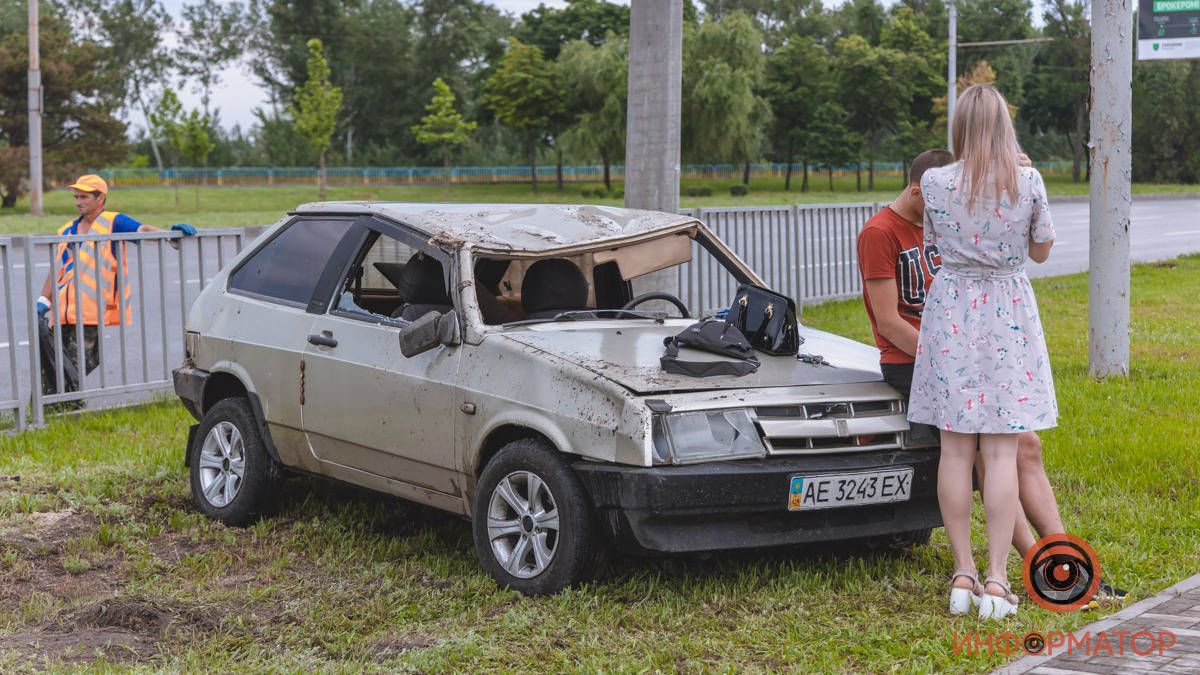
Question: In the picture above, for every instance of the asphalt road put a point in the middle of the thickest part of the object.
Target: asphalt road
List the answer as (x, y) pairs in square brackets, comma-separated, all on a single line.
[(1160, 229)]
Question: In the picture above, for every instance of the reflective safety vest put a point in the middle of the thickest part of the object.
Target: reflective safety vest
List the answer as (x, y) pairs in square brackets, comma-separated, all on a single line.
[(80, 299)]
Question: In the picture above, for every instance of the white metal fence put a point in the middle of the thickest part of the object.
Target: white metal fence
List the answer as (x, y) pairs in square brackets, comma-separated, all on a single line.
[(43, 365), (805, 252)]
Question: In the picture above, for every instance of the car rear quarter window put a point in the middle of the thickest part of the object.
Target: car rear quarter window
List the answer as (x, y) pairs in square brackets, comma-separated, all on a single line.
[(288, 268)]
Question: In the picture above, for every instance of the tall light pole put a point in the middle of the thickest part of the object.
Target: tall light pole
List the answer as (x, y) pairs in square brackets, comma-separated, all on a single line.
[(35, 114), (1111, 198), (655, 100), (952, 75)]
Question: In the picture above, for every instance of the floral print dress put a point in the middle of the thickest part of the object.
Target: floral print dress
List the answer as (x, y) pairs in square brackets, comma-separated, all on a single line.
[(981, 363)]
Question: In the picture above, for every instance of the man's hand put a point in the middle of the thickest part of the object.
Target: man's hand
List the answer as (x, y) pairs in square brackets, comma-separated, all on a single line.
[(187, 230), (43, 306)]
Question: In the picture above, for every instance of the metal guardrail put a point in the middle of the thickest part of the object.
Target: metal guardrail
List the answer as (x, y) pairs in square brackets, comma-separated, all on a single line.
[(426, 175), (805, 252), (134, 359), (10, 395)]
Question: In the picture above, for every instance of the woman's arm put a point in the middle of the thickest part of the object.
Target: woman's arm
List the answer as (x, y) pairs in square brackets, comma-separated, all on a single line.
[(1039, 251)]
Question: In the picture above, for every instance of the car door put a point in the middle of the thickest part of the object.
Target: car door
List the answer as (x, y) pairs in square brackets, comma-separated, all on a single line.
[(264, 331), (367, 407)]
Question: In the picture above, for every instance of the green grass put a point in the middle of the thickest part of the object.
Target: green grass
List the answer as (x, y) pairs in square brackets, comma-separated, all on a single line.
[(342, 580), (244, 206)]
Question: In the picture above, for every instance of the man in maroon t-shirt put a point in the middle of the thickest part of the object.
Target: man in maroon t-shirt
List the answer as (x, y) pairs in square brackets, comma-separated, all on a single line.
[(897, 268)]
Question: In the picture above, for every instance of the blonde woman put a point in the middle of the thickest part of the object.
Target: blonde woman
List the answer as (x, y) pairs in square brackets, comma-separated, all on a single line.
[(982, 374)]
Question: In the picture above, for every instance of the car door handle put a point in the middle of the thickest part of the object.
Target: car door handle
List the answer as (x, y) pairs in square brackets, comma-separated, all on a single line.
[(322, 340)]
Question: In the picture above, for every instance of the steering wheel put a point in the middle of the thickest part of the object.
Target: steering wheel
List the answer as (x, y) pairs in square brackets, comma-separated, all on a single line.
[(659, 295)]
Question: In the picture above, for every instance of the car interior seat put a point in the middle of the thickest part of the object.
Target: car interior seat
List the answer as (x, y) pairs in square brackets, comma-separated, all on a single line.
[(422, 288), (553, 286), (488, 275)]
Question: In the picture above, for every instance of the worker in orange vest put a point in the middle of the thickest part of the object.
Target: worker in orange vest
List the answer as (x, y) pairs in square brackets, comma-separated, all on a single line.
[(80, 300)]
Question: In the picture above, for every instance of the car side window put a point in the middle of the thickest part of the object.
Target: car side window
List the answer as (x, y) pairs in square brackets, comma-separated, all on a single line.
[(287, 268), (392, 281)]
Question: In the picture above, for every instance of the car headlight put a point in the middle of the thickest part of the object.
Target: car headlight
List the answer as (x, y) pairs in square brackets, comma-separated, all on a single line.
[(705, 435)]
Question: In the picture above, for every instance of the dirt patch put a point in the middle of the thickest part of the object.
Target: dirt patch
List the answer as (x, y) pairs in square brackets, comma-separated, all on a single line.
[(118, 630), (80, 646), (391, 647)]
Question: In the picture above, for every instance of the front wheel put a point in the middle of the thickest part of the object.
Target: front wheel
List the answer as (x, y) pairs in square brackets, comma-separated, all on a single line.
[(533, 525), (233, 478)]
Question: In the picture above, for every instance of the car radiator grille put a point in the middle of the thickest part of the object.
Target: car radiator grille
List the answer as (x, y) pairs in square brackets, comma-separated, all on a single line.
[(821, 428)]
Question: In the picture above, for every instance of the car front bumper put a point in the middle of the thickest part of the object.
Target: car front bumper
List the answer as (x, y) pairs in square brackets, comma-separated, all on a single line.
[(744, 504), (189, 387)]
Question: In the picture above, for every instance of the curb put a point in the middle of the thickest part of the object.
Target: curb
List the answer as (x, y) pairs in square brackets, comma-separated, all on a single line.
[(1028, 663)]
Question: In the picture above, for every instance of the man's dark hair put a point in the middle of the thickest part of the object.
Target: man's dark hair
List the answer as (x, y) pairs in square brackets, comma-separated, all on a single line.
[(930, 159)]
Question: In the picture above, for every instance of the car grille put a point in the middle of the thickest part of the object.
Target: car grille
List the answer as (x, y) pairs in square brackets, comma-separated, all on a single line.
[(829, 427)]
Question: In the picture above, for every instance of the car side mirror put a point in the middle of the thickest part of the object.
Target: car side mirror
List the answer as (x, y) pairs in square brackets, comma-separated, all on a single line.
[(428, 331)]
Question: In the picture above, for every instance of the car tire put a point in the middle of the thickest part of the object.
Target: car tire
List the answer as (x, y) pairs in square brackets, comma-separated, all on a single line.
[(515, 536), (228, 442)]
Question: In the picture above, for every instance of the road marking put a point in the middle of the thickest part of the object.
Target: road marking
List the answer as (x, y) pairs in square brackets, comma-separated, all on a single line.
[(1180, 234), (4, 345)]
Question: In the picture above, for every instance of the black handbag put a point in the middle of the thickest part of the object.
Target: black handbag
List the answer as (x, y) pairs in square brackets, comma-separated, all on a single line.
[(716, 337), (767, 319)]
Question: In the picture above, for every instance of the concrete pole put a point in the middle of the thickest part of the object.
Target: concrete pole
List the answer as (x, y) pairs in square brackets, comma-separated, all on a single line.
[(655, 82), (35, 114), (1111, 128), (951, 75)]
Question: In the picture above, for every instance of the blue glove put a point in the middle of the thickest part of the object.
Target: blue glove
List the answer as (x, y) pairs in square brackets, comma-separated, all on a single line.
[(187, 230), (43, 306)]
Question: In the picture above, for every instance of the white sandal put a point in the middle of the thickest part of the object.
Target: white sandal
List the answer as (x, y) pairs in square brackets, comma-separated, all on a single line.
[(961, 599), (997, 606)]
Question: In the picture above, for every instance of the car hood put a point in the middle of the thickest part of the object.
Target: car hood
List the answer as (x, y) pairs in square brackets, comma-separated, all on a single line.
[(628, 353)]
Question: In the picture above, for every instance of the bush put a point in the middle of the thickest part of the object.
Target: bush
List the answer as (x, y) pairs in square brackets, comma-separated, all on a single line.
[(619, 194), (585, 193), (702, 191), (739, 190)]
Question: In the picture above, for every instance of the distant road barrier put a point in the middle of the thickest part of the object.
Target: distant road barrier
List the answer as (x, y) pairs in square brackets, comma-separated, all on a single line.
[(465, 175), (805, 252)]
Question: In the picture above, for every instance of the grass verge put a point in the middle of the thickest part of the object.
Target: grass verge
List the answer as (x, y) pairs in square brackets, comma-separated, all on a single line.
[(104, 563), (246, 206)]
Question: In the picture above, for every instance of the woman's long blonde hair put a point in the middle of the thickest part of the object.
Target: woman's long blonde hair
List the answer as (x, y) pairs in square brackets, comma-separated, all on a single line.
[(986, 143)]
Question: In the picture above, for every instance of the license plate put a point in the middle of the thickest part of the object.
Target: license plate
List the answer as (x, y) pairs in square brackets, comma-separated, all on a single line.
[(832, 490)]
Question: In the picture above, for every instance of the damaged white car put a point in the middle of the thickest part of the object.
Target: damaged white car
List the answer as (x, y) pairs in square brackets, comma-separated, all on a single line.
[(502, 363)]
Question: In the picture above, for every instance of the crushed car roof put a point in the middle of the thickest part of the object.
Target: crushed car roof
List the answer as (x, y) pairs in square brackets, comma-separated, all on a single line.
[(515, 227)]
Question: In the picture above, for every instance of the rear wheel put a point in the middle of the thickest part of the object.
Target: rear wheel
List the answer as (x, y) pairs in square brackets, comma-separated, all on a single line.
[(233, 478), (533, 525)]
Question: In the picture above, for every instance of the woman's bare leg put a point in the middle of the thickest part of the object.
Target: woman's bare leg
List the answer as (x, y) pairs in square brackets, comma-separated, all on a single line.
[(955, 496), (1037, 497), (1001, 498), (1023, 536)]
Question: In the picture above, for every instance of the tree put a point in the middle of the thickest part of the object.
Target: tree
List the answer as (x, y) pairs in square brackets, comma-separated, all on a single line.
[(187, 133), (315, 108), (779, 20), (833, 142), (1059, 85), (525, 93), (596, 78), (213, 37), (79, 127), (443, 127), (798, 83), (550, 29), (875, 90), (724, 113), (138, 58)]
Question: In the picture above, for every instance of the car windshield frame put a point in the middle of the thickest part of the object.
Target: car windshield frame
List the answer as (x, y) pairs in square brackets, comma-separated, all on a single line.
[(697, 232)]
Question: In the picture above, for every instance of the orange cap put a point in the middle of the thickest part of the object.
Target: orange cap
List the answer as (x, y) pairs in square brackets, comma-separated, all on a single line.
[(90, 183)]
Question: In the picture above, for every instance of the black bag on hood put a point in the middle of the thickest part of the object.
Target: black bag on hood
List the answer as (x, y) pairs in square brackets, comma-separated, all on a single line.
[(716, 337), (767, 319)]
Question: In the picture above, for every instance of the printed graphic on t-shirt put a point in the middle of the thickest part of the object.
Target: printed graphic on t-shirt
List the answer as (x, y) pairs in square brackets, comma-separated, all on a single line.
[(912, 266)]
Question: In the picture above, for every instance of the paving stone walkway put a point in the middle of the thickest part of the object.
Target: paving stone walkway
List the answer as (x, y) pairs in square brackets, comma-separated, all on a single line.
[(1135, 640)]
